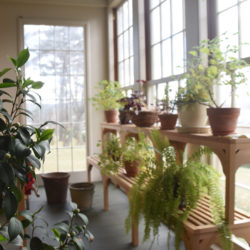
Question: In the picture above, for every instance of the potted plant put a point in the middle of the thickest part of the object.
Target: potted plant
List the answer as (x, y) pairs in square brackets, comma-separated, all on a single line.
[(167, 191), (108, 96), (22, 147), (167, 117), (109, 159), (224, 68)]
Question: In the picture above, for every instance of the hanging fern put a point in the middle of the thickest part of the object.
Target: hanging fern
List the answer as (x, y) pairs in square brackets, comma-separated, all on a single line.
[(162, 191)]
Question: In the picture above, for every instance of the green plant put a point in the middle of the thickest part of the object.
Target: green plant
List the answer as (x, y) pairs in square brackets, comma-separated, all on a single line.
[(22, 147), (167, 105), (223, 67), (110, 156), (166, 191), (108, 96)]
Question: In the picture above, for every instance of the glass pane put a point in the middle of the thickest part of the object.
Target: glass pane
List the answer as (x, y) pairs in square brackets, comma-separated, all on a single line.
[(31, 36), (245, 34), (125, 16), (49, 89), (65, 136), (76, 63), (32, 69), (155, 26), (161, 91), (131, 45), (126, 72), (166, 58), (76, 38), (166, 19), (62, 63), (178, 54), (156, 62), (79, 134), (47, 63), (34, 109), (132, 80), (62, 90), (77, 89), (229, 26), (173, 89), (222, 4), (225, 95), (126, 45), (130, 12), (48, 112), (153, 3), (119, 21), (65, 159), (50, 164), (121, 73), (63, 111), (46, 37), (61, 38), (120, 48), (177, 16), (79, 158)]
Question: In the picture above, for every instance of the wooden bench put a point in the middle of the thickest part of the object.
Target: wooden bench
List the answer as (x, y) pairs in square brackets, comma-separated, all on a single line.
[(200, 230)]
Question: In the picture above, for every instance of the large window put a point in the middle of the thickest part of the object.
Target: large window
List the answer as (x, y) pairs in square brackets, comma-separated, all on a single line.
[(57, 59), (124, 38)]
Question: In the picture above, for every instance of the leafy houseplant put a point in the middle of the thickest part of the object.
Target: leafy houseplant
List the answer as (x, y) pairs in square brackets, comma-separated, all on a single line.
[(224, 68), (108, 96), (166, 191), (22, 147), (110, 156), (167, 117)]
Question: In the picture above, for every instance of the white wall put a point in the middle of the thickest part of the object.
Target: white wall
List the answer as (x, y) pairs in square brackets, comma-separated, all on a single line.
[(97, 64)]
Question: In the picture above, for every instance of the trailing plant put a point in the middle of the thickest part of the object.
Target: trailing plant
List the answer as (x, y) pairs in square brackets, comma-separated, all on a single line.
[(223, 67), (108, 96), (22, 147), (110, 156), (166, 191)]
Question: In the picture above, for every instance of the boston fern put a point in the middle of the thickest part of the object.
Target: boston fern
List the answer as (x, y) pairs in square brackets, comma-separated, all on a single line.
[(22, 147), (167, 191)]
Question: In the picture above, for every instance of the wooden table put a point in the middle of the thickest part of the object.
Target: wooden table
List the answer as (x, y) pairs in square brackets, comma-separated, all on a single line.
[(233, 152)]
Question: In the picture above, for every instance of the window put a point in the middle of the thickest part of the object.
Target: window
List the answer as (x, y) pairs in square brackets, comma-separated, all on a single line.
[(57, 59), (124, 38)]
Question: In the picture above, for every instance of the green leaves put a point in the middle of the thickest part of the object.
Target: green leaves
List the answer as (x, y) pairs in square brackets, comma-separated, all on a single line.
[(7, 85), (10, 204), (22, 58), (3, 72), (33, 161), (37, 85), (15, 228), (46, 134)]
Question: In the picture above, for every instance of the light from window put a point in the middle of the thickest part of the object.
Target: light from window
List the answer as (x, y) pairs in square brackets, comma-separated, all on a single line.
[(57, 59)]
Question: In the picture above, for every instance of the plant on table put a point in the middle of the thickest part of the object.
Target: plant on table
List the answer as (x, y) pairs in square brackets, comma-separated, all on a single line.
[(108, 96), (22, 147), (167, 191)]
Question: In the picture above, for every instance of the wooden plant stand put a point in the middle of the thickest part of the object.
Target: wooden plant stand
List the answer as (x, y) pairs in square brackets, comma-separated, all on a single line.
[(200, 231)]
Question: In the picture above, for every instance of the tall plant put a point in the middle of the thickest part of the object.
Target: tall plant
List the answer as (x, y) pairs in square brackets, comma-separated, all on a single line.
[(22, 148), (167, 191)]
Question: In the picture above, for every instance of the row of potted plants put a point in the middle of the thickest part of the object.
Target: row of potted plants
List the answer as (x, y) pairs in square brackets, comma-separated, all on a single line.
[(208, 68)]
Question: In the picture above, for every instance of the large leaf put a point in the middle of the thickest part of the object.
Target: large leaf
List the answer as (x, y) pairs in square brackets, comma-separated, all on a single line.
[(4, 71), (22, 58), (17, 192), (2, 92), (8, 80), (7, 85), (6, 174), (79, 243), (51, 122), (24, 135), (10, 204), (36, 244), (15, 228), (12, 60), (37, 85), (3, 125), (27, 83), (46, 134), (6, 115), (20, 149), (84, 218), (62, 227), (27, 214), (34, 161)]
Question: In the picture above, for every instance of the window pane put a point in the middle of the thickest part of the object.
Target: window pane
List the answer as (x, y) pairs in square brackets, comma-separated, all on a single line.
[(131, 50), (173, 89), (120, 48), (178, 54), (126, 45), (156, 61), (46, 36), (79, 156), (47, 63), (119, 21), (155, 26), (76, 38), (166, 19), (131, 71), (62, 63), (62, 38), (177, 13), (125, 15), (65, 159), (31, 36), (130, 12), (245, 34), (166, 58), (161, 91), (153, 3), (222, 4), (121, 73)]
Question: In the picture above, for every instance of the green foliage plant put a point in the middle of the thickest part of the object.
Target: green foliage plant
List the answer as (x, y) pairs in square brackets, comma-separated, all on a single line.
[(22, 148), (166, 191), (109, 159), (166, 104), (211, 66), (108, 95)]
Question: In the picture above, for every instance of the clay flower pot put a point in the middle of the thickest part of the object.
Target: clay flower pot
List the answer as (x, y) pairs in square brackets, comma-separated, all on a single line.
[(132, 168), (223, 121), (111, 116), (145, 118), (168, 121)]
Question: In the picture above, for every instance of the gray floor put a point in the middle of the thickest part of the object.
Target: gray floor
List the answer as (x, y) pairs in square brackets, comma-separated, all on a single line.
[(107, 226)]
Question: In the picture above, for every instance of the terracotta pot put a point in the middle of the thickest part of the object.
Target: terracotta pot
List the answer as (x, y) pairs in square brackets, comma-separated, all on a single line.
[(192, 115), (132, 168), (82, 194), (124, 116), (145, 118), (168, 121), (56, 186), (223, 121), (111, 116)]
